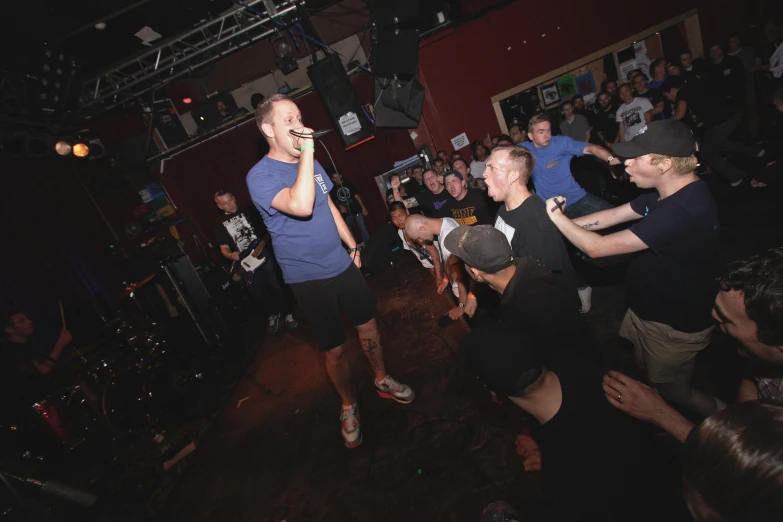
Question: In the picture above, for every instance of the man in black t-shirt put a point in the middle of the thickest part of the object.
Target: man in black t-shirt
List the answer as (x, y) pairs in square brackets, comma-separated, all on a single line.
[(671, 284), (434, 198), (530, 301), (726, 77), (712, 116), (522, 219), (239, 231), (466, 206), (604, 122), (595, 463), (654, 95), (29, 373), (347, 199)]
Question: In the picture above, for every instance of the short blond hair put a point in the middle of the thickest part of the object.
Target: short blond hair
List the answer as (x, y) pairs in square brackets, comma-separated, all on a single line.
[(266, 108), (520, 159), (679, 165), (541, 117)]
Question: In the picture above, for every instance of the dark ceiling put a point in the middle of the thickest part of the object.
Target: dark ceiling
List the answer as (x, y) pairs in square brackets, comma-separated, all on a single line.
[(69, 26)]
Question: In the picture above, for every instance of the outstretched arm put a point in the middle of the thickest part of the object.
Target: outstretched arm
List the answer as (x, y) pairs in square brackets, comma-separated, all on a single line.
[(591, 243)]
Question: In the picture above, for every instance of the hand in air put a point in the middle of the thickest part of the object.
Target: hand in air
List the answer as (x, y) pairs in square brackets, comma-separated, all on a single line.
[(299, 142), (65, 337), (634, 398), (395, 183), (555, 206)]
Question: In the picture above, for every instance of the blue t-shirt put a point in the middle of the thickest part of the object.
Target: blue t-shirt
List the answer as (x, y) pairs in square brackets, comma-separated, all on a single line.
[(306, 248), (552, 172)]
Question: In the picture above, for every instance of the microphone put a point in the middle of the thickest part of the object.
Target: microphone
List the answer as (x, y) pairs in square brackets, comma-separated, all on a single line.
[(315, 135)]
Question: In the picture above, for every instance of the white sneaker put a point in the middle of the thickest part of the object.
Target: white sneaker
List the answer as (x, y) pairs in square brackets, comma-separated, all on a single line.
[(352, 433), (586, 296)]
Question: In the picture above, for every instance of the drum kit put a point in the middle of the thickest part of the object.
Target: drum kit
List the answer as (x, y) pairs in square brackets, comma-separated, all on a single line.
[(117, 386)]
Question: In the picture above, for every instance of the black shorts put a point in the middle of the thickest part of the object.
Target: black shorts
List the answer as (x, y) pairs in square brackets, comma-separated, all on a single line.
[(325, 301)]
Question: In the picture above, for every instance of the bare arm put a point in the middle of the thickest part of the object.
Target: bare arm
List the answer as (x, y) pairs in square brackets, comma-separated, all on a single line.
[(600, 153), (342, 228), (681, 111), (47, 365), (361, 204), (621, 133), (298, 200), (748, 391), (435, 261), (607, 218), (225, 250), (591, 243), (657, 109), (648, 116)]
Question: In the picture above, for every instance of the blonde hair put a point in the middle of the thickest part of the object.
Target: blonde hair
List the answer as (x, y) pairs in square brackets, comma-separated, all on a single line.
[(679, 165), (535, 120), (266, 108)]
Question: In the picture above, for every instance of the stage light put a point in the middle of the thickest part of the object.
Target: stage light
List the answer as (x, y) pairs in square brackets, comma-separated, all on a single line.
[(63, 148), (187, 100), (81, 150)]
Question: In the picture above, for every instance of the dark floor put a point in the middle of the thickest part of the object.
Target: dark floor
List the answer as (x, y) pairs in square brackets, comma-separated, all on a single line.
[(275, 452)]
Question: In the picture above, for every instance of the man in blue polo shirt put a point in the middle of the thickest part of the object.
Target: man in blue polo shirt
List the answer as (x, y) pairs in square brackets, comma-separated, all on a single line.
[(552, 171), (291, 190)]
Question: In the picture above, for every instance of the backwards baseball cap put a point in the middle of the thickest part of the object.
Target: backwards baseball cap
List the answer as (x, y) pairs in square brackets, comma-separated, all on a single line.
[(666, 137), (483, 247), (450, 172)]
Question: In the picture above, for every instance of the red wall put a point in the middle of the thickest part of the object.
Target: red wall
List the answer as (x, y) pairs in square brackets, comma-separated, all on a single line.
[(462, 68)]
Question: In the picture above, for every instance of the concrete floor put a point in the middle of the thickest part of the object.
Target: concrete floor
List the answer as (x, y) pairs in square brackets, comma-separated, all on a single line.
[(276, 454)]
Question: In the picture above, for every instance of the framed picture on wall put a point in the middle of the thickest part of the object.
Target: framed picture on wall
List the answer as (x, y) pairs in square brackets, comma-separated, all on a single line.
[(585, 83), (549, 94), (567, 87)]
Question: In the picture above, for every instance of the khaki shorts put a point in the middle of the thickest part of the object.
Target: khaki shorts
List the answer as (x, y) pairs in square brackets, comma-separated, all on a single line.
[(666, 351)]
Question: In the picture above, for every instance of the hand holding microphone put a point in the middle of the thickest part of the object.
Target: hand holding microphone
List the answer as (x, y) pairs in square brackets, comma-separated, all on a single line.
[(302, 138), (307, 134)]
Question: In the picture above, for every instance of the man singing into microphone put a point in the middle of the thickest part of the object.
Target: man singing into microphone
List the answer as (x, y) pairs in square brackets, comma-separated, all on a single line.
[(291, 190)]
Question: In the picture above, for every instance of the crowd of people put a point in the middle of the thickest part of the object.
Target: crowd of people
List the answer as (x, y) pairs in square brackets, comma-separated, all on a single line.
[(688, 119)]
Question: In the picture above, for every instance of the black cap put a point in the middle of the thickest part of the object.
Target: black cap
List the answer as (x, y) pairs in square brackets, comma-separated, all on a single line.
[(483, 247), (666, 137), (505, 360), (450, 172)]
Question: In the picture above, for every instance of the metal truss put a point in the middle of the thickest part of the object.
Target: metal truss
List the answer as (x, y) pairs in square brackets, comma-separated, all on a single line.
[(185, 53)]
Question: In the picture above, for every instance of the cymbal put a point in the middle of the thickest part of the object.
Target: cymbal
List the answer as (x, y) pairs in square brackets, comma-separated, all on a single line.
[(134, 286)]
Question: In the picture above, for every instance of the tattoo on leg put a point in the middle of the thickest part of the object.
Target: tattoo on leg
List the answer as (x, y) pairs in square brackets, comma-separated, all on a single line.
[(590, 225), (370, 347)]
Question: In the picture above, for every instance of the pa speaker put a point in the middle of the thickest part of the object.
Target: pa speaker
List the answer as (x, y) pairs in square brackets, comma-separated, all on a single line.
[(333, 86), (399, 103), (397, 54)]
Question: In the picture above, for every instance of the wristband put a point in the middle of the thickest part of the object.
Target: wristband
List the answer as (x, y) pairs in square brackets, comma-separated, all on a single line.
[(610, 159), (307, 147), (445, 280), (471, 296)]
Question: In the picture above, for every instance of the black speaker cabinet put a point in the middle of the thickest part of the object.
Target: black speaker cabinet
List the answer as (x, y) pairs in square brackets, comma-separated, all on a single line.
[(399, 103), (333, 86)]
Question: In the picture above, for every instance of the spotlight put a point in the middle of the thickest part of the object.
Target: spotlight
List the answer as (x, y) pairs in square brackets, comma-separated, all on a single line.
[(187, 100), (81, 150), (284, 56), (63, 148)]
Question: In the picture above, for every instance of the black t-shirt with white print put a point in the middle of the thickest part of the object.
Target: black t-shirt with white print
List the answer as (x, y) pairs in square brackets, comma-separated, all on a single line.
[(240, 230)]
